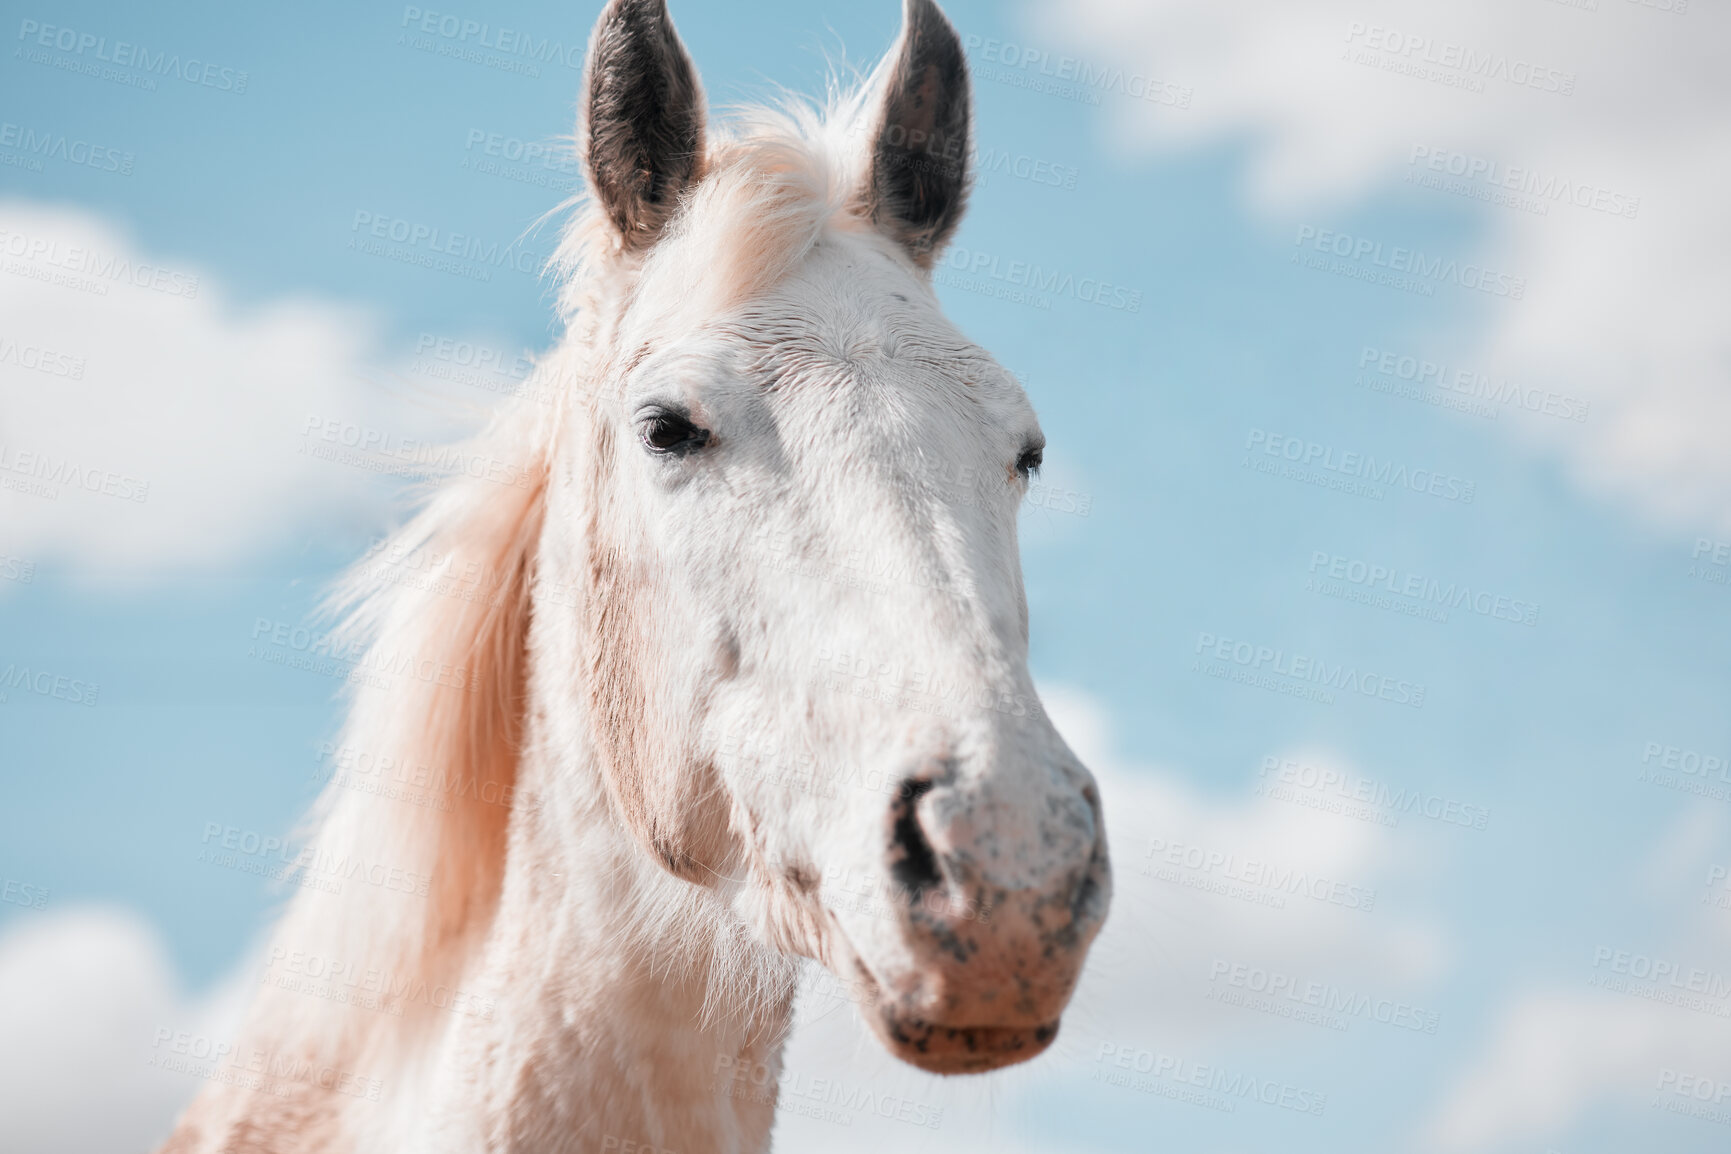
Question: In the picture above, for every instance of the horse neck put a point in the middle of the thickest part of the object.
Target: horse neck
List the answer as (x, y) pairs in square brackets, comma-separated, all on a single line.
[(622, 1008)]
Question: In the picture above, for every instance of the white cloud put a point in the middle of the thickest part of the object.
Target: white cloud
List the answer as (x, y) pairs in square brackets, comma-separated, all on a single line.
[(1555, 1052), (134, 369), (1555, 1055), (1149, 971), (1154, 959), (83, 996), (1629, 313)]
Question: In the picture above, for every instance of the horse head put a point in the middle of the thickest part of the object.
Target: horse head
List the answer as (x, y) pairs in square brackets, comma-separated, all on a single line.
[(786, 499)]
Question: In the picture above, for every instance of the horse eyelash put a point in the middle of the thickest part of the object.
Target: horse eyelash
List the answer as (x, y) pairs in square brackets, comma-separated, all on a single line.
[(695, 437)]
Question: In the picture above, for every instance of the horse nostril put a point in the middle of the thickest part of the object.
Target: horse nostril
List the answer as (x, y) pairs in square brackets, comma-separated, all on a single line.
[(913, 862)]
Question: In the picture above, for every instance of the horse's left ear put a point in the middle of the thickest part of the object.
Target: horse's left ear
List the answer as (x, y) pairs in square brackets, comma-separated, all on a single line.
[(919, 163), (642, 118)]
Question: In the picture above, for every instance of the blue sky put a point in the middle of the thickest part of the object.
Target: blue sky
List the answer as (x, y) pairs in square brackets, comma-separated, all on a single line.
[(1158, 416)]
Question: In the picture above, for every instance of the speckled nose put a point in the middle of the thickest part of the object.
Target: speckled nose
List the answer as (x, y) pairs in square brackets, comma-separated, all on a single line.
[(999, 895)]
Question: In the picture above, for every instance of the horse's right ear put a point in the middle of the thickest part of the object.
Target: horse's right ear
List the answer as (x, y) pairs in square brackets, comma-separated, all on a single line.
[(918, 182), (642, 128)]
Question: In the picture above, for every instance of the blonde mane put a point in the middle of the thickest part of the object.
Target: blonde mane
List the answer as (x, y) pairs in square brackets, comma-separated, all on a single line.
[(449, 654), (773, 177)]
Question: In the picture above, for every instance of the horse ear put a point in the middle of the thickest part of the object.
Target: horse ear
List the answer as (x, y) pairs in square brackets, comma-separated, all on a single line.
[(919, 162), (642, 118)]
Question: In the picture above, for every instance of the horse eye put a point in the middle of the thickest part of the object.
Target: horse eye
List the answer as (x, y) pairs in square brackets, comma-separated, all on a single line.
[(672, 433), (1029, 462)]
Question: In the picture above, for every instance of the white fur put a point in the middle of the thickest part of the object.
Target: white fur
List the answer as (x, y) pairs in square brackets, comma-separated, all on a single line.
[(855, 432)]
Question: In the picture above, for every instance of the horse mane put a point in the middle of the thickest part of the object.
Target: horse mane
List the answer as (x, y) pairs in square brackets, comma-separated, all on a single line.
[(447, 657), (439, 692)]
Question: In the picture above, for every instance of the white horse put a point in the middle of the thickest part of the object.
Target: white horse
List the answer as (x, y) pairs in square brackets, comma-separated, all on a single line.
[(758, 556)]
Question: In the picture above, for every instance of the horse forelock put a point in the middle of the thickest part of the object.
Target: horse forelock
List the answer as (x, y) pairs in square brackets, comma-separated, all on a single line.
[(773, 179)]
